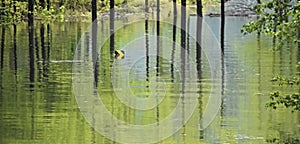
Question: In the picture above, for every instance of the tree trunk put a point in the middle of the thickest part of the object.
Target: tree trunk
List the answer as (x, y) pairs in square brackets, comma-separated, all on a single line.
[(2, 46), (30, 9), (199, 8), (111, 25), (42, 3), (175, 8), (15, 48), (222, 25), (48, 5), (157, 36), (31, 49), (94, 9), (183, 24), (147, 46)]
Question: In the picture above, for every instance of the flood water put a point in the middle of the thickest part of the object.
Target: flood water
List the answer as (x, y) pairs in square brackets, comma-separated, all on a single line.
[(38, 104)]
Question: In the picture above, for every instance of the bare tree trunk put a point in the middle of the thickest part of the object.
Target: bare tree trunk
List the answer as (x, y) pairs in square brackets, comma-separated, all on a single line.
[(257, 17), (42, 3), (94, 9), (48, 5), (299, 45), (199, 8), (183, 24), (30, 9), (158, 25), (31, 49), (95, 50), (222, 25), (199, 70), (111, 25), (15, 48), (2, 45), (174, 39), (175, 8), (146, 6), (147, 39)]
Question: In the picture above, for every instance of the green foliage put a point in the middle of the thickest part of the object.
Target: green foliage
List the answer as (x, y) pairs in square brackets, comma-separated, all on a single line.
[(278, 18), (13, 11), (287, 100), (63, 9)]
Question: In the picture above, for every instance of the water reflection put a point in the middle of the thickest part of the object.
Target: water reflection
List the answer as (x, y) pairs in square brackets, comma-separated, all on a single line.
[(15, 48), (37, 103), (199, 69), (2, 45), (31, 51), (112, 27), (174, 39)]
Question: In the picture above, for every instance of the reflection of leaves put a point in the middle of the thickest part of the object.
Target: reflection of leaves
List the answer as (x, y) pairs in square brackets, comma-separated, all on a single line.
[(282, 81), (287, 100), (284, 138)]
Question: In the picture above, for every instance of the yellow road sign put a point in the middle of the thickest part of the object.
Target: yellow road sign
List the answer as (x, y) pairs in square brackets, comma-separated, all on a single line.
[(119, 54)]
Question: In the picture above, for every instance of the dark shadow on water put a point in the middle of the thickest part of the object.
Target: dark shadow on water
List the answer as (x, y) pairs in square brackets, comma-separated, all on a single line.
[(45, 48), (15, 56), (222, 44), (31, 73), (183, 62), (147, 46), (95, 51), (299, 46), (157, 53), (31, 51), (2, 56), (259, 78), (2, 46), (199, 70), (174, 40), (49, 41), (87, 46), (112, 27)]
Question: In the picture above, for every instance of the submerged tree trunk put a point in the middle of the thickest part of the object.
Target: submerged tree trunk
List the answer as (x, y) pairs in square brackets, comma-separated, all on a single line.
[(42, 3), (175, 8), (257, 17), (31, 50), (30, 9), (158, 26), (183, 24), (299, 45), (94, 9), (199, 70), (111, 25), (199, 8), (48, 5), (95, 50), (146, 6), (222, 25), (147, 39), (15, 48), (2, 45)]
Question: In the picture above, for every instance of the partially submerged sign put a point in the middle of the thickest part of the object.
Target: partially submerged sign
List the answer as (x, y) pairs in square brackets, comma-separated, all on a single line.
[(119, 54)]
